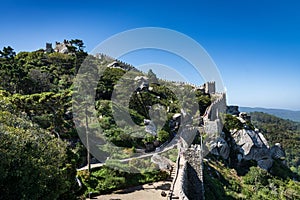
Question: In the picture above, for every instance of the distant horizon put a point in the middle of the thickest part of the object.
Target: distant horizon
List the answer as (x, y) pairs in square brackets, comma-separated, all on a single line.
[(269, 108)]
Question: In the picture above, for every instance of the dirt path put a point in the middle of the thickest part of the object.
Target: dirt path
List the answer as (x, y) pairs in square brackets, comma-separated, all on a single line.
[(143, 192)]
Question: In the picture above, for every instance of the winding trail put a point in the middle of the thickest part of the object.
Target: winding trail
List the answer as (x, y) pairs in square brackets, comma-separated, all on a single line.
[(171, 145)]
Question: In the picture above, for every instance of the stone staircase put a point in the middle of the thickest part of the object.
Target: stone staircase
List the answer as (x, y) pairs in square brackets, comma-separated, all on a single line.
[(173, 175), (172, 194)]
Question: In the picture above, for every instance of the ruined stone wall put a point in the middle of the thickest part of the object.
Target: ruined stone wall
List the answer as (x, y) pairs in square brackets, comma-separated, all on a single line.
[(62, 47), (104, 57)]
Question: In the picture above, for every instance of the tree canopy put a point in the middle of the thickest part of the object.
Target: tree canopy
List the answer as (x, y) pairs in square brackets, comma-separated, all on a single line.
[(34, 164)]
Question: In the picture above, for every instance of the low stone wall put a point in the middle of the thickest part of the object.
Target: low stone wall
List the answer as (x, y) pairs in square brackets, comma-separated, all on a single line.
[(184, 182)]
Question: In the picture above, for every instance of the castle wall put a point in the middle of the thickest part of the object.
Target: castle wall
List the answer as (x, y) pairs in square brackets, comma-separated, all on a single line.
[(188, 181), (217, 107), (183, 184), (213, 128), (193, 174), (189, 177)]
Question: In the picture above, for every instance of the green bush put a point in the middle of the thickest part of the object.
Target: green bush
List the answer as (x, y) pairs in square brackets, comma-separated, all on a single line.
[(256, 176), (163, 136)]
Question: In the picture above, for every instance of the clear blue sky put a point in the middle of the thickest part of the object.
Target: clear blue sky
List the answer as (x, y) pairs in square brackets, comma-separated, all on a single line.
[(255, 44)]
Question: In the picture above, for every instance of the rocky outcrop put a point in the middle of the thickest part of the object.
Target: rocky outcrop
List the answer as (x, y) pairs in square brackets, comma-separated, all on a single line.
[(162, 162), (247, 144), (277, 152), (246, 140), (150, 127), (142, 81), (219, 147), (252, 145)]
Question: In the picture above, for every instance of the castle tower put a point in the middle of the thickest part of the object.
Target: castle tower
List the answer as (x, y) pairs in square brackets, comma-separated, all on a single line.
[(49, 48), (210, 87)]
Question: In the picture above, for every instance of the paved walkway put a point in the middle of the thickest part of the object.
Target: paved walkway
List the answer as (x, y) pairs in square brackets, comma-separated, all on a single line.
[(150, 191), (178, 181)]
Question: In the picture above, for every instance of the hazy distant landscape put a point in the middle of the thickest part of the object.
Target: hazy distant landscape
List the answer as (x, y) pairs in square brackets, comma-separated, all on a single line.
[(282, 113)]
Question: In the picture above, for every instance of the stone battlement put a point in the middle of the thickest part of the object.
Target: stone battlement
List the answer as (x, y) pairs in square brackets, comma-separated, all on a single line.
[(113, 62)]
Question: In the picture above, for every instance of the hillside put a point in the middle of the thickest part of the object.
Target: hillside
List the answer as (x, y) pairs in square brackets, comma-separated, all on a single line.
[(223, 182), (285, 132), (244, 178), (39, 89), (282, 113), (43, 112)]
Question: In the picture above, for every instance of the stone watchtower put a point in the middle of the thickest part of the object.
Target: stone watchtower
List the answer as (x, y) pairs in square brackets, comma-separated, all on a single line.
[(49, 48), (210, 87)]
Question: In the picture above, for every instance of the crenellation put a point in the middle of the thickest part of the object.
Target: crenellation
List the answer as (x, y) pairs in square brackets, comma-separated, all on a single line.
[(103, 56)]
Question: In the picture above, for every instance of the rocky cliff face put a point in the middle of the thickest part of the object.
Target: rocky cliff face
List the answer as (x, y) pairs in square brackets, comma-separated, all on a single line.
[(246, 143)]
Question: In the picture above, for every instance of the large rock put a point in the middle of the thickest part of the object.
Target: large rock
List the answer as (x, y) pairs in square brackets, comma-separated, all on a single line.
[(252, 145), (219, 147), (277, 152), (150, 127), (247, 139), (142, 81), (163, 162), (265, 164)]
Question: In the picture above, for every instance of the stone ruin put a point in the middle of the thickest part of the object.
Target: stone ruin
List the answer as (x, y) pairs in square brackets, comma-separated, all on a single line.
[(60, 47)]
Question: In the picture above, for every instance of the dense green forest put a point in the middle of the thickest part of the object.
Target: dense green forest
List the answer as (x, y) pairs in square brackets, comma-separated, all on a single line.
[(38, 158), (285, 132)]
